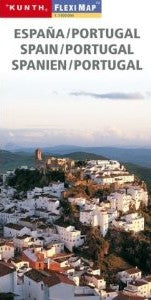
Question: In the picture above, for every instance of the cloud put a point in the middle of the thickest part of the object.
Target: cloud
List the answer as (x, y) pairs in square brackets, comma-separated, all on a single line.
[(148, 94), (111, 96), (11, 134), (107, 136)]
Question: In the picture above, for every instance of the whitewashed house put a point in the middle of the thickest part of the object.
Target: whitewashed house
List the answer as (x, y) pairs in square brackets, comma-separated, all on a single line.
[(130, 275), (7, 278), (70, 236), (95, 217), (140, 287), (77, 201), (138, 194), (12, 230), (6, 250), (130, 222), (95, 281), (120, 201), (42, 285)]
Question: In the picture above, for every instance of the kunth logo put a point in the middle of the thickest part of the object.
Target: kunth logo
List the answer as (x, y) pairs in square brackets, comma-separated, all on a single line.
[(50, 8), (21, 7), (25, 8)]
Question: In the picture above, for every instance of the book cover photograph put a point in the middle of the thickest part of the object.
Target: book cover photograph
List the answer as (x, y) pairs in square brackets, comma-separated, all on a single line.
[(75, 150)]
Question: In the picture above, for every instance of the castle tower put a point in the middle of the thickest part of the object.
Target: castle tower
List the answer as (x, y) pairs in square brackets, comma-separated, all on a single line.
[(38, 155)]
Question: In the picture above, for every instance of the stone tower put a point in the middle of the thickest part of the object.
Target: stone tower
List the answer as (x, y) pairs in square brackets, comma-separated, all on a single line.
[(38, 155)]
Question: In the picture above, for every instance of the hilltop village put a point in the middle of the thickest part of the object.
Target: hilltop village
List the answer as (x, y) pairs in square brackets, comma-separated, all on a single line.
[(77, 230)]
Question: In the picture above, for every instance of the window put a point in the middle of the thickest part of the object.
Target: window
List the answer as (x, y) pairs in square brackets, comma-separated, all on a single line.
[(42, 287)]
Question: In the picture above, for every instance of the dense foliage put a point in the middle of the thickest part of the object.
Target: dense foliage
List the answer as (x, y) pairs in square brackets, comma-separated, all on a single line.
[(141, 172), (6, 296), (135, 249), (24, 180), (118, 250)]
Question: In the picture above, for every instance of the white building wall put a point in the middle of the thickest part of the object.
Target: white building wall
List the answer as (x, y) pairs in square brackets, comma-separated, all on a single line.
[(33, 290), (6, 252), (126, 277), (55, 249), (65, 291), (104, 222), (70, 237), (86, 217), (11, 232), (7, 283)]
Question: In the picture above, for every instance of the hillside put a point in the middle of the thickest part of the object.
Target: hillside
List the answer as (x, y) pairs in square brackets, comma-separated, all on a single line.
[(138, 156), (84, 156), (10, 161), (143, 173)]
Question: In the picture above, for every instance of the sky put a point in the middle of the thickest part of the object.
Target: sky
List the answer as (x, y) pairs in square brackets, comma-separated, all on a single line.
[(83, 108)]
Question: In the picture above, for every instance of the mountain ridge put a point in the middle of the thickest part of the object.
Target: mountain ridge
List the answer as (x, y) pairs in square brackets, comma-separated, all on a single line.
[(139, 156)]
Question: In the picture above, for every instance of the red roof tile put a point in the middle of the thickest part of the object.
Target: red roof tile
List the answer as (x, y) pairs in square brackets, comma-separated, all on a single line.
[(49, 278), (5, 270)]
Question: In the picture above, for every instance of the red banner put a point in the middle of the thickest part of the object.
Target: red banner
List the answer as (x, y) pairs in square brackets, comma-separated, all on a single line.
[(25, 8)]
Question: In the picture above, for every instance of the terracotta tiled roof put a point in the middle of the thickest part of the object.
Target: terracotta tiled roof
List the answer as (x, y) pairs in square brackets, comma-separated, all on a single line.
[(16, 259), (133, 271), (138, 283), (6, 243), (14, 226), (5, 270), (49, 278), (123, 296), (62, 255), (2, 243), (23, 237)]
